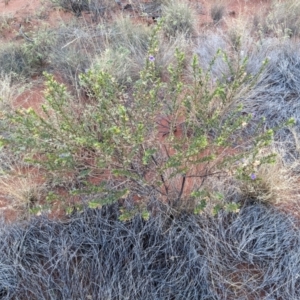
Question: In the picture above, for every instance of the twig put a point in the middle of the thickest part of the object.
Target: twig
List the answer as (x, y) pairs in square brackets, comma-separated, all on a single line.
[(25, 36), (161, 176)]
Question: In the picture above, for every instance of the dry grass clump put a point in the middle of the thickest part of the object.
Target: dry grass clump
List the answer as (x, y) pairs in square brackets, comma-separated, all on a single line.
[(217, 12), (5, 21), (274, 184), (179, 18), (99, 8), (282, 20), (12, 61), (28, 58), (22, 189), (9, 90), (74, 50), (118, 63), (238, 34), (125, 49), (93, 255), (236, 42), (20, 184), (167, 48), (119, 47), (123, 32)]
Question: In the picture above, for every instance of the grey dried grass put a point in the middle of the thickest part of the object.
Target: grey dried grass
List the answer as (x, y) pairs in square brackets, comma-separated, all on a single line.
[(93, 255), (276, 96), (206, 48)]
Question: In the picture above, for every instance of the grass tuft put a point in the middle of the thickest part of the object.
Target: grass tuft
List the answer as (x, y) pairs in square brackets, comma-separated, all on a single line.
[(12, 61), (98, 8), (217, 12), (282, 20), (179, 18), (276, 95), (74, 50), (95, 256)]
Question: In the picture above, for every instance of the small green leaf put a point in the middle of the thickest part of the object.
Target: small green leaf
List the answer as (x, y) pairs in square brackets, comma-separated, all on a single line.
[(216, 209), (147, 155), (232, 207), (219, 196), (84, 173), (126, 215), (95, 204), (145, 215), (200, 207)]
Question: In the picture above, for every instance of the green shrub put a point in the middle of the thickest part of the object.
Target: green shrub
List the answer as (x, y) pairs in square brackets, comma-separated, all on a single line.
[(158, 142)]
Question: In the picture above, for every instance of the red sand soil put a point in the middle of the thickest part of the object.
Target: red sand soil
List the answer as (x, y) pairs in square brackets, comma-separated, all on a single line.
[(33, 98), (20, 7), (234, 9), (30, 14)]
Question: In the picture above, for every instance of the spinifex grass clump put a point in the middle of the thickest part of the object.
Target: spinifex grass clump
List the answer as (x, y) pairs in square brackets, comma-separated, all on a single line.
[(159, 142), (253, 255), (276, 95)]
